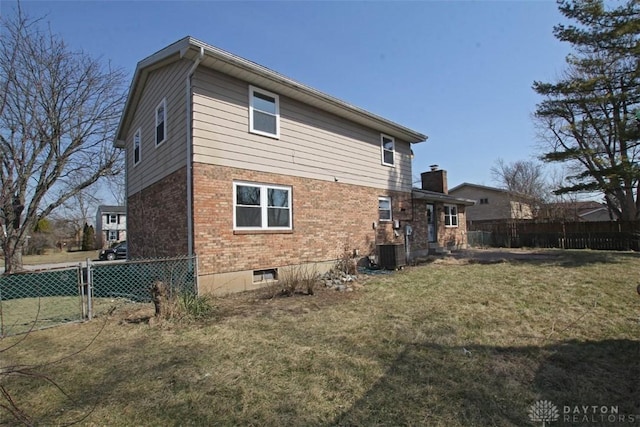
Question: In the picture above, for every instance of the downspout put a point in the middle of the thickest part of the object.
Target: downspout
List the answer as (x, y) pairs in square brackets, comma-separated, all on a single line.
[(189, 129)]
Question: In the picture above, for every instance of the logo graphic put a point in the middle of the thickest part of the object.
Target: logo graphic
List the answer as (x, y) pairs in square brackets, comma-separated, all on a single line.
[(544, 411)]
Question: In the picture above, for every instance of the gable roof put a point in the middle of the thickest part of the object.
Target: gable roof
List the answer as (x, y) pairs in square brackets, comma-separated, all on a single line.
[(434, 196), (243, 69), (480, 187), (112, 209), (487, 188)]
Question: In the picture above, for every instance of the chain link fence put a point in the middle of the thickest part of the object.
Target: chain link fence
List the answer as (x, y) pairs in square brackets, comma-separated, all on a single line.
[(39, 299), (131, 281)]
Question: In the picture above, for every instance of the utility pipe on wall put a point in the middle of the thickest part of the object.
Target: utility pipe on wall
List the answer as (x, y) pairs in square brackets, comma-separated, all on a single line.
[(189, 129)]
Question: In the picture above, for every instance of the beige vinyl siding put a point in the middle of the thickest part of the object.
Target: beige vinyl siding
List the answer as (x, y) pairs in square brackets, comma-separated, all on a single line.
[(312, 144), (499, 206), (159, 161)]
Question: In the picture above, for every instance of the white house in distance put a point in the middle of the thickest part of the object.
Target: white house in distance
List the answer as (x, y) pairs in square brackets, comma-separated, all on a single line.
[(111, 225)]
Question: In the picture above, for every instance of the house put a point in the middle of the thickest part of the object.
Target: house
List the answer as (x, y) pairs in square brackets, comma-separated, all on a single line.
[(587, 210), (440, 218), (111, 225), (493, 204), (256, 173)]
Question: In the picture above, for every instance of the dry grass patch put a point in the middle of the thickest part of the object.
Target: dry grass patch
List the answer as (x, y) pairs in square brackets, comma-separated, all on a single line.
[(448, 345)]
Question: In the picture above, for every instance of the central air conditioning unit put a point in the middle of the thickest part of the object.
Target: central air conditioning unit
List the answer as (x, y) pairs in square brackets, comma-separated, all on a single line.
[(391, 257)]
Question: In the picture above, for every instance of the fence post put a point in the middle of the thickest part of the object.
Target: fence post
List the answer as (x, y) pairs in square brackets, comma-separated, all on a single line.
[(83, 303), (89, 290), (1, 314), (195, 273)]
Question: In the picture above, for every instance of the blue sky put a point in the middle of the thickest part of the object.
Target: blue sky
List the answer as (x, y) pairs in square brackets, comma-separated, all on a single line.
[(459, 72)]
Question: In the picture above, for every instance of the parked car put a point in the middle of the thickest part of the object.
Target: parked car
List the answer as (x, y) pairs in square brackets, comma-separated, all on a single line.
[(119, 251)]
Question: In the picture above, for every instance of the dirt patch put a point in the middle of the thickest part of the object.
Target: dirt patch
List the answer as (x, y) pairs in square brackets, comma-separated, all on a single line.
[(254, 303), (261, 302)]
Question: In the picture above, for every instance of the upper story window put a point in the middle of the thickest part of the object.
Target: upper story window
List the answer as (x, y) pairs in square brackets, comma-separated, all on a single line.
[(264, 112), (450, 216), (161, 122), (484, 201), (136, 146), (384, 208), (112, 219), (261, 207), (387, 144)]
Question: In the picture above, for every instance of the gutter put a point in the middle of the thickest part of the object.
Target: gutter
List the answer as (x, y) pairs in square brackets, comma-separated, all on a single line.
[(189, 129)]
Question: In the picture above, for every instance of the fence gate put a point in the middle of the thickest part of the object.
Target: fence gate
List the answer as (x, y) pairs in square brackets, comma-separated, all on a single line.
[(39, 299)]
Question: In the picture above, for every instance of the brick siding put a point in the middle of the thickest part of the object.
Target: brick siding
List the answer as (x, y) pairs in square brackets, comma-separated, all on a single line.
[(328, 217), (157, 218)]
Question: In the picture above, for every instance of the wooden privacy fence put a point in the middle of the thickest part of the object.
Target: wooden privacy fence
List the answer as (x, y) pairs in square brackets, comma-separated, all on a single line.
[(602, 235)]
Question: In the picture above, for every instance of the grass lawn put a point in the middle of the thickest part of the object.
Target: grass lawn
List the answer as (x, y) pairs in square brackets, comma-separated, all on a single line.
[(442, 344), (53, 256)]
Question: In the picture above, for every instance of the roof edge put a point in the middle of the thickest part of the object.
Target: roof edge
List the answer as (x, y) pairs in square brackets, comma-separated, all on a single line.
[(181, 48)]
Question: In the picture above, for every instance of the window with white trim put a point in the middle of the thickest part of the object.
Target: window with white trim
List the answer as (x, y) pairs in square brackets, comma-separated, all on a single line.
[(450, 216), (112, 219), (384, 208), (161, 122), (264, 112), (261, 207), (387, 145), (113, 235), (136, 146)]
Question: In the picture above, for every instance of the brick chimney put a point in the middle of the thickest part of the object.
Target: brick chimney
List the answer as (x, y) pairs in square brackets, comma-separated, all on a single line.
[(435, 180)]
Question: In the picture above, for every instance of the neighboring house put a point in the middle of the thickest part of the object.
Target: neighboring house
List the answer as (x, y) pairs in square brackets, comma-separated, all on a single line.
[(254, 172), (439, 217), (587, 210), (493, 204), (111, 225)]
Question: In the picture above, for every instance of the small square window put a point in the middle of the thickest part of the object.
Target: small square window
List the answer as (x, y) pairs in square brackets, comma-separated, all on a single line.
[(161, 122), (450, 216), (384, 208), (387, 145), (264, 112)]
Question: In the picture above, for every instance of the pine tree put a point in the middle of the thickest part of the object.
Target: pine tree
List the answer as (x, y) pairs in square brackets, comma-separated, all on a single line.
[(588, 116), (85, 235)]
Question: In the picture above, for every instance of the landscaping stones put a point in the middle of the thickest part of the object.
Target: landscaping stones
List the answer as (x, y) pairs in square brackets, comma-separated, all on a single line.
[(339, 280)]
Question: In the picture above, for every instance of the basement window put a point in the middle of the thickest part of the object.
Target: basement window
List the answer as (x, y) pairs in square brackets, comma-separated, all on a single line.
[(269, 274)]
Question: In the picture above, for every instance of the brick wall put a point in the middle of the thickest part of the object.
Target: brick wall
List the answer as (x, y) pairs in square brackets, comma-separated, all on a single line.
[(448, 237), (157, 218), (328, 217)]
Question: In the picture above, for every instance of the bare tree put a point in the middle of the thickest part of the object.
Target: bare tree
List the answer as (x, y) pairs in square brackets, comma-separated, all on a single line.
[(74, 214), (58, 113), (524, 177)]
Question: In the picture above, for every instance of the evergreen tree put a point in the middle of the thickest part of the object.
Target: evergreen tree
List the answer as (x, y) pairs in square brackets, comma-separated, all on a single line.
[(85, 234), (589, 116)]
